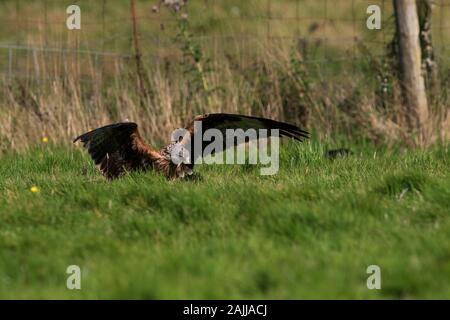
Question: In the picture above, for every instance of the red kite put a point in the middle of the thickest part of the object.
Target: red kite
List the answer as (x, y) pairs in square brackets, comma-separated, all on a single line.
[(118, 148)]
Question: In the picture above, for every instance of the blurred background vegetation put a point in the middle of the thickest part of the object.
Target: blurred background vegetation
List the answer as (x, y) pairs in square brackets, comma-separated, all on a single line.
[(313, 63)]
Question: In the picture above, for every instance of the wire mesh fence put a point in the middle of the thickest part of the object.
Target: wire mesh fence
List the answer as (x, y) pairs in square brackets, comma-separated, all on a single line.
[(329, 33)]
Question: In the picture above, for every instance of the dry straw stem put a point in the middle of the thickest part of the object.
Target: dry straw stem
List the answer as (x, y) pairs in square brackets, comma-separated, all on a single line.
[(62, 107)]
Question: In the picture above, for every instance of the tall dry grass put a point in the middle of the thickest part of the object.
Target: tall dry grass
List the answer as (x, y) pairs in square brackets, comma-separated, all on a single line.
[(61, 94), (66, 96)]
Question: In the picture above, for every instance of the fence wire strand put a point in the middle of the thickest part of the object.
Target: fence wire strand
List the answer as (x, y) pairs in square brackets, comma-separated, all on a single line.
[(116, 32)]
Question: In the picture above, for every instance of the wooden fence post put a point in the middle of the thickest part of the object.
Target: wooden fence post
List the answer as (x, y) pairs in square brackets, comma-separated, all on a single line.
[(410, 63)]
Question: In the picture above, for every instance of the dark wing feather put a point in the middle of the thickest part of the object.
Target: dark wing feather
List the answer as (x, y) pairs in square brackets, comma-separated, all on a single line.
[(223, 121), (117, 148)]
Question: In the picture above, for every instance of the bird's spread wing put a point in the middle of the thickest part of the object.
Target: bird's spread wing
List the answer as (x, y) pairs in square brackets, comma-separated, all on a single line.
[(223, 121), (117, 148)]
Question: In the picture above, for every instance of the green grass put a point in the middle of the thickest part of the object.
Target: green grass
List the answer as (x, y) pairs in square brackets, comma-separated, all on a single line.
[(308, 232)]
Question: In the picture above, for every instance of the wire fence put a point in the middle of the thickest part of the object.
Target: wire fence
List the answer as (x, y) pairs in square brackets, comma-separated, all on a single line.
[(326, 32)]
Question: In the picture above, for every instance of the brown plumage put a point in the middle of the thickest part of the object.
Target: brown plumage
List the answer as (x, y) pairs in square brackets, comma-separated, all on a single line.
[(118, 148)]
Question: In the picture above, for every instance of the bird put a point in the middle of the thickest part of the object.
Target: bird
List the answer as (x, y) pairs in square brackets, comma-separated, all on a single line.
[(119, 148)]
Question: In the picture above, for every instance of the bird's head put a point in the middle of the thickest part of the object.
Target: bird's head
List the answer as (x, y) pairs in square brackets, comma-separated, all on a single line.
[(179, 154)]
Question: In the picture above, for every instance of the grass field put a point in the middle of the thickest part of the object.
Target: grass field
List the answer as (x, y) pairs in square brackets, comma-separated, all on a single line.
[(308, 232)]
